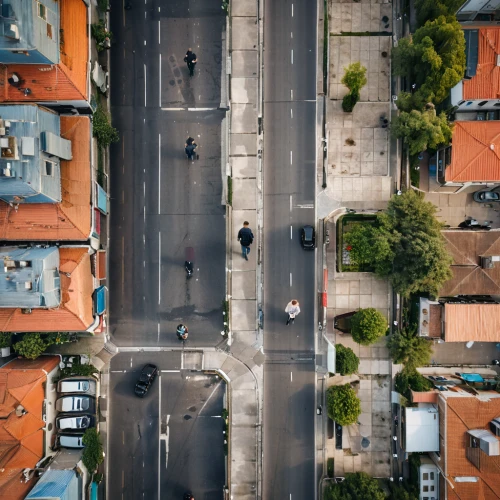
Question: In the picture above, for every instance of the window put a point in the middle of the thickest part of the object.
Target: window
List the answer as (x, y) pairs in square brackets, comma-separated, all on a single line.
[(49, 168), (496, 104), (432, 476), (432, 488), (425, 476), (425, 489), (42, 11), (482, 103), (469, 103), (49, 30)]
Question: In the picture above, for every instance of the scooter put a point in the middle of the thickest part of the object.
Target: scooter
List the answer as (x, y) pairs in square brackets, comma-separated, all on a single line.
[(182, 332), (189, 262)]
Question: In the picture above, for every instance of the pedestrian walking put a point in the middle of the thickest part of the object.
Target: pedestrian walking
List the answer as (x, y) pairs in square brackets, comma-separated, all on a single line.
[(190, 148), (190, 59), (182, 332), (245, 237), (293, 310)]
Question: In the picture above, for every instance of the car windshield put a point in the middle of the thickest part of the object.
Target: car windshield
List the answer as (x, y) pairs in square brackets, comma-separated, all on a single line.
[(85, 404), (84, 386), (490, 196), (308, 233)]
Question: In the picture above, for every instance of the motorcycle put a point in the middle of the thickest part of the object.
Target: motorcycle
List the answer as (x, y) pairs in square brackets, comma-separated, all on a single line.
[(189, 261), (182, 332)]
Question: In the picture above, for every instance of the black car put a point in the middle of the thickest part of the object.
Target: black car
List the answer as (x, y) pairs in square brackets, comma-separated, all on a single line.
[(308, 238), (486, 196), (148, 374), (338, 436)]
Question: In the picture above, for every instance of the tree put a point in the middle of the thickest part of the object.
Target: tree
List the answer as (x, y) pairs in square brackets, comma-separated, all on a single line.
[(420, 261), (31, 346), (346, 361), (92, 453), (410, 378), (422, 130), (406, 347), (367, 325), (428, 10), (356, 486), (402, 491), (102, 129), (343, 405), (354, 79), (433, 60)]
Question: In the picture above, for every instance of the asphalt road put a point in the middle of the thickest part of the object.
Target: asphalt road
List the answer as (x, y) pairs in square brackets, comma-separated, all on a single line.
[(161, 203), (289, 177), (169, 442)]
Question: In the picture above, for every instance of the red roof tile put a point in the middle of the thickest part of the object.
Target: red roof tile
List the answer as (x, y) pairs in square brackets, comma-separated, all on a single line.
[(475, 153)]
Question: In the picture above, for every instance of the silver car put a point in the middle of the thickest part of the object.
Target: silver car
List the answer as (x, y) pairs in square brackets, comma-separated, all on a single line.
[(77, 385), (76, 404)]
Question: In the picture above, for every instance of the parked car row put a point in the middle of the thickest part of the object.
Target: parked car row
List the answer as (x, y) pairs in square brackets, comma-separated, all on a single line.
[(77, 409)]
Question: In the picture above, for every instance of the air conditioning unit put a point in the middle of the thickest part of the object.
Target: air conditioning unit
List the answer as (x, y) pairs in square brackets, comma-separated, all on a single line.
[(11, 31), (495, 426)]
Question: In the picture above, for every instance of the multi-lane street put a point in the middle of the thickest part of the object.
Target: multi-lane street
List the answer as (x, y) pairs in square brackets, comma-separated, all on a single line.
[(162, 204), (289, 179), (171, 441)]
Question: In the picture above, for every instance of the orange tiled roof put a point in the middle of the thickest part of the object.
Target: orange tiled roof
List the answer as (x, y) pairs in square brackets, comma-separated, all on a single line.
[(69, 220), (478, 322), (75, 314), (74, 43), (21, 438), (486, 83), (475, 153), (424, 397), (465, 414)]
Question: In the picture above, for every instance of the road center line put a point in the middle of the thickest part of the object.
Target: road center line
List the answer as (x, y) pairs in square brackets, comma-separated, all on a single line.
[(145, 81), (291, 157), (159, 93), (291, 376), (291, 203), (292, 16), (291, 235), (292, 56), (170, 371), (159, 268), (290, 280), (159, 433), (291, 94), (159, 172), (159, 30)]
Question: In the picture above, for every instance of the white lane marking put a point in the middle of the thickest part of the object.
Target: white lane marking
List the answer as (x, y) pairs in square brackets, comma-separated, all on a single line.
[(118, 371), (291, 94), (292, 16), (131, 359), (291, 237), (145, 15), (307, 205), (158, 331), (145, 42), (291, 157), (290, 280), (145, 91), (144, 210), (170, 371), (291, 34), (159, 268), (166, 442), (291, 113), (208, 399), (159, 433), (123, 437), (159, 173), (144, 189), (292, 56), (189, 109), (291, 376), (291, 203), (159, 93), (159, 30)]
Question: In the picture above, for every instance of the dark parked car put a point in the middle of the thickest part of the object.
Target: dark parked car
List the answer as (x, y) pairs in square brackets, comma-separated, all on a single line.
[(486, 196), (148, 374), (338, 436), (69, 423), (308, 238)]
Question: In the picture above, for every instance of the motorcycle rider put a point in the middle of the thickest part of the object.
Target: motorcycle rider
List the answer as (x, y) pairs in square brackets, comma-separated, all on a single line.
[(190, 148), (182, 332)]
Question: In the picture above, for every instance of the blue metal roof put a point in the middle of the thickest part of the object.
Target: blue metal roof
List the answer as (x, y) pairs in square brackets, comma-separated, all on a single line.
[(472, 377), (28, 174), (29, 277), (25, 29), (56, 485), (100, 300), (102, 200)]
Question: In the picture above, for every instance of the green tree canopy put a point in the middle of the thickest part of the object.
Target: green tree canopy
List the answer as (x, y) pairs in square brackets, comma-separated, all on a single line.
[(422, 130), (433, 59), (346, 361), (92, 453), (406, 347), (32, 346), (367, 325), (410, 378), (428, 10), (354, 77), (343, 405), (356, 486)]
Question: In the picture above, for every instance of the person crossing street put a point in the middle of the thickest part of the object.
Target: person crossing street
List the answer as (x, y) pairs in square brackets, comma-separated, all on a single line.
[(293, 310), (191, 60)]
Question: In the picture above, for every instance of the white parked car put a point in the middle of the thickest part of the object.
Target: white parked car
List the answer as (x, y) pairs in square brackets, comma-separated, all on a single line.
[(77, 385)]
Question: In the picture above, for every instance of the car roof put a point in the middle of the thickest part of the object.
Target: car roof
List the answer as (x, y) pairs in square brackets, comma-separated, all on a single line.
[(308, 230)]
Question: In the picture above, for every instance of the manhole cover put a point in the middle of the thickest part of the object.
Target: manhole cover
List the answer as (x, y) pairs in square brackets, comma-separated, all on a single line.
[(187, 417), (365, 443)]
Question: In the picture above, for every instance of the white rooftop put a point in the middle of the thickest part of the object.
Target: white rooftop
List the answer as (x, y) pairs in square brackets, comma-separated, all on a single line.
[(422, 429)]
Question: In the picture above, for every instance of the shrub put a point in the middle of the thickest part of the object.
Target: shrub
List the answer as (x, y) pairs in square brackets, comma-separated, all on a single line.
[(92, 455), (354, 77), (31, 346), (406, 347), (102, 129), (367, 325), (343, 405), (101, 35), (5, 339), (349, 101), (356, 486), (411, 379), (346, 361), (79, 370)]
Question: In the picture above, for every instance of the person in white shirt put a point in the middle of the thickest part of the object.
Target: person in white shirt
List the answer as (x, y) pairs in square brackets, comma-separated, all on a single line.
[(293, 309)]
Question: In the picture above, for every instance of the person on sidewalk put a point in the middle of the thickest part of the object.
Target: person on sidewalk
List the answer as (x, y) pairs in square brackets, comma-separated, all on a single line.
[(190, 147), (293, 309), (245, 237), (190, 59)]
